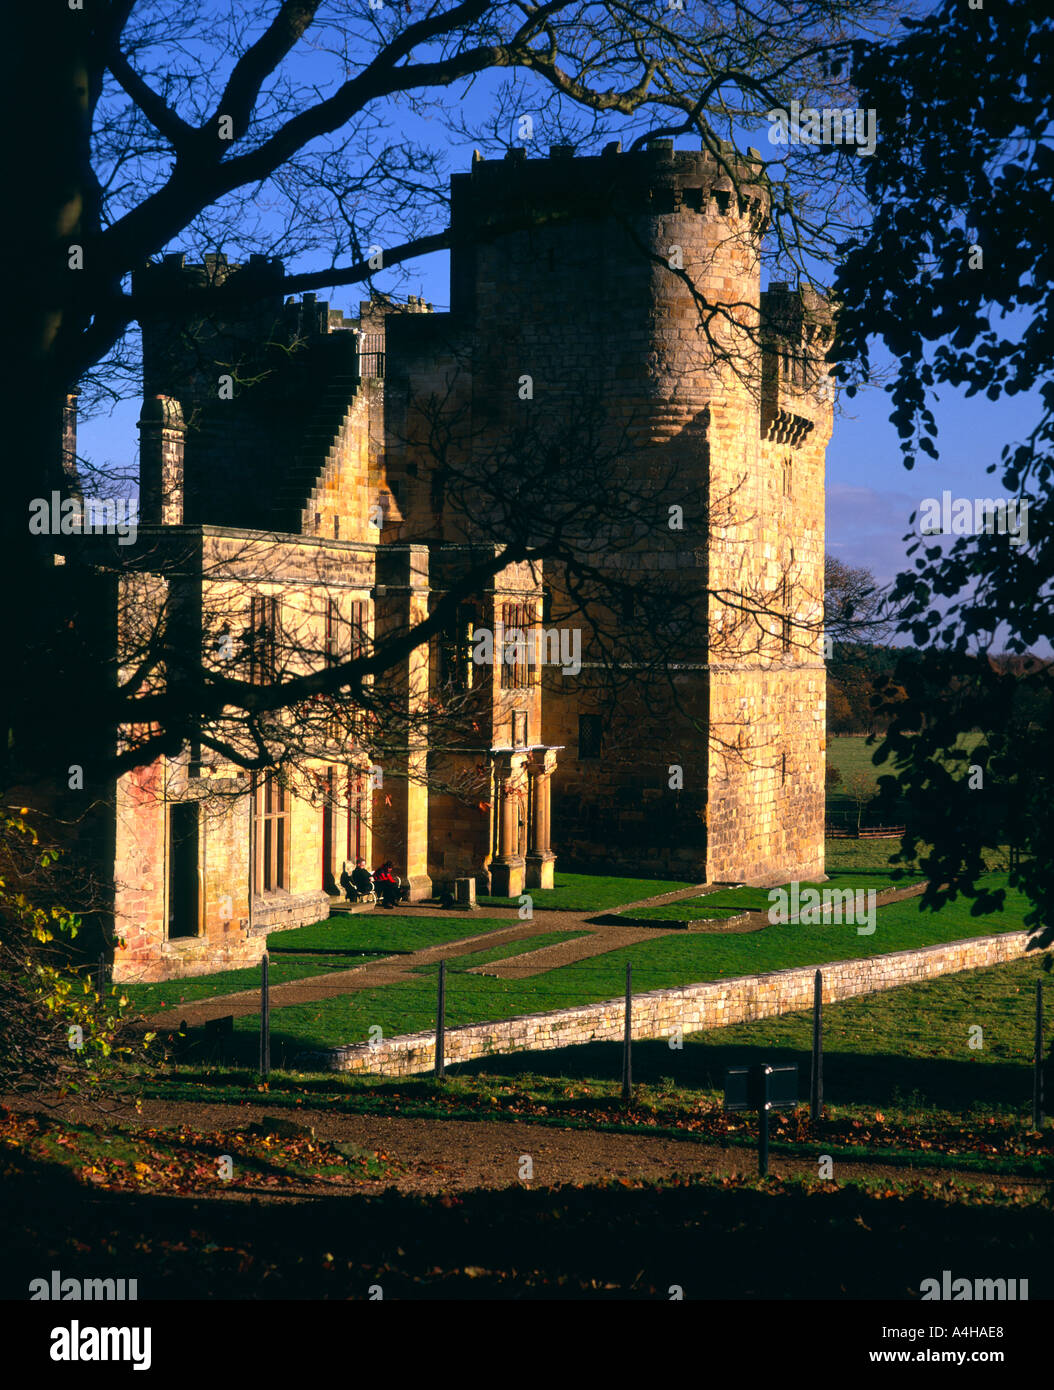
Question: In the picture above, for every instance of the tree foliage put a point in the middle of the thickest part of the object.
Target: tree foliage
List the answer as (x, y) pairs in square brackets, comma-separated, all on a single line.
[(60, 1024), (954, 279)]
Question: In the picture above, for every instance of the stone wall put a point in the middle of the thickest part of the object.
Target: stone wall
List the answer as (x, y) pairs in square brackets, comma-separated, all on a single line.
[(694, 1008)]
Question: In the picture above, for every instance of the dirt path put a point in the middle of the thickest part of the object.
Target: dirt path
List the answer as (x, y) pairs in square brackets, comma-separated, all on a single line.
[(595, 942), (442, 1156)]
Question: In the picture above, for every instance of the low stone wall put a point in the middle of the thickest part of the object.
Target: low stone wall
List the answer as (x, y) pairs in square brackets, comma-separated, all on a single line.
[(694, 1008), (286, 910)]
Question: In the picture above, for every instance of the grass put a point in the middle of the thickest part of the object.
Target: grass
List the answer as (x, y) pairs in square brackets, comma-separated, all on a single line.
[(590, 893), (905, 1050), (510, 948), (385, 931), (856, 855), (852, 757), (170, 994), (729, 902), (409, 1006)]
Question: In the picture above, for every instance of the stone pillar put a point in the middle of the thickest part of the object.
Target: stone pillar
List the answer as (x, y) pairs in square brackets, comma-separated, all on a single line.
[(162, 434), (541, 861), (400, 803), (507, 866)]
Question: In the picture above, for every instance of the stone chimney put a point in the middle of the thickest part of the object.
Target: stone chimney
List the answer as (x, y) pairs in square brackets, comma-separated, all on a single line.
[(162, 434)]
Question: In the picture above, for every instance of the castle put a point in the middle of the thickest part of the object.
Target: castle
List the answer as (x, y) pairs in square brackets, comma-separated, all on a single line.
[(306, 493)]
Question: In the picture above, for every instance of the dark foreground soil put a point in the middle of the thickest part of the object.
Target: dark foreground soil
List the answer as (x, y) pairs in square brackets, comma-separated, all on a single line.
[(602, 1215)]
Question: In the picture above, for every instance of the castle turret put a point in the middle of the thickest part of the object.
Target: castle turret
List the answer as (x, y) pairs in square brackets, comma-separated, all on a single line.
[(629, 284)]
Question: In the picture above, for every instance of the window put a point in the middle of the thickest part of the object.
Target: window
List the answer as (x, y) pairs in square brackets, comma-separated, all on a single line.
[(345, 641), (517, 634), (590, 735), (263, 628), (455, 650), (183, 892), (332, 632), (271, 817), (359, 629), (785, 621), (357, 815)]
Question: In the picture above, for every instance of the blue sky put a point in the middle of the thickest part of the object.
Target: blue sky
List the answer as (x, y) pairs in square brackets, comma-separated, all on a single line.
[(870, 495)]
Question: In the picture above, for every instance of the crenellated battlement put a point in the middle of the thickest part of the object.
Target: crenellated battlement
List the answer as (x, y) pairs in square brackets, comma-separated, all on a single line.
[(656, 179), (797, 329)]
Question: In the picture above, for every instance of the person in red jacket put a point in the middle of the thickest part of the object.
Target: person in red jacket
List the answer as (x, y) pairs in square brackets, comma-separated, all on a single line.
[(387, 884)]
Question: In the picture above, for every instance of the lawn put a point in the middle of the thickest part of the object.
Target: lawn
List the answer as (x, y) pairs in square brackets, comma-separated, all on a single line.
[(511, 948), (591, 893), (852, 757), (907, 1049), (669, 961), (385, 931), (730, 902), (170, 994)]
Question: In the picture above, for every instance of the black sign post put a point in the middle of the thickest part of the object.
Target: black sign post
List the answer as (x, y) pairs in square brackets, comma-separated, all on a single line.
[(1037, 1066), (440, 1066), (816, 1079), (627, 1040), (761, 1088), (265, 1019)]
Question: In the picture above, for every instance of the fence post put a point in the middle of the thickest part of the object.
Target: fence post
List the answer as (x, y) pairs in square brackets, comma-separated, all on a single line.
[(441, 1021), (265, 1019), (627, 1042), (1037, 1070), (816, 1080), (763, 1124)]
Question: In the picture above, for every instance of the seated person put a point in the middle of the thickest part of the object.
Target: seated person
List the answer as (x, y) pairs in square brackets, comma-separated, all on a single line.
[(361, 878), (387, 884)]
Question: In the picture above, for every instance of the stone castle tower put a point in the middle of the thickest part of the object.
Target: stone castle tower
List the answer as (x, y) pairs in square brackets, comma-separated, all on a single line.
[(631, 281)]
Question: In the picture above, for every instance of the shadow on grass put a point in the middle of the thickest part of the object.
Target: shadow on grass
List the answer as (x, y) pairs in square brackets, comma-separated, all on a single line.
[(879, 1079), (849, 1078)]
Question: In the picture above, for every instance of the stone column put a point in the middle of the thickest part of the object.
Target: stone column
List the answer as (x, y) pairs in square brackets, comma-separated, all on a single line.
[(507, 866), (541, 861), (400, 802)]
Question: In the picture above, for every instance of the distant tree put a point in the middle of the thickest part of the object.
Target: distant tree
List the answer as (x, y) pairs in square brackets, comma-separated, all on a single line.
[(839, 714), (855, 607), (862, 790)]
